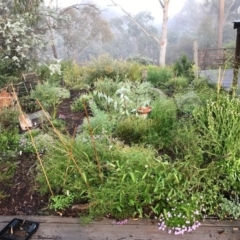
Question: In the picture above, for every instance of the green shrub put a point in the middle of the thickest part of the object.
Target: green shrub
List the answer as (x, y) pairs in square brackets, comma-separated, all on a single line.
[(140, 59), (9, 128), (187, 102), (218, 124), (61, 202), (50, 96), (230, 208), (184, 68), (45, 73), (105, 66), (80, 103), (9, 140), (133, 129), (73, 75), (126, 99), (9, 118), (178, 84), (185, 142), (164, 120), (134, 72), (100, 123), (158, 77), (106, 86)]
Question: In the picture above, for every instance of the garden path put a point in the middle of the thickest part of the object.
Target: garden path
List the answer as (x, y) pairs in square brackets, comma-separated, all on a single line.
[(58, 228)]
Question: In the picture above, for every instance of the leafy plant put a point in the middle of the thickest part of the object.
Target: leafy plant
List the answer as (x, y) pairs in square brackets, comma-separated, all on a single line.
[(140, 59), (184, 68), (158, 77), (73, 75), (9, 139), (133, 130), (164, 120), (105, 66), (219, 127), (78, 104), (18, 40), (187, 102), (61, 202), (230, 208), (50, 96)]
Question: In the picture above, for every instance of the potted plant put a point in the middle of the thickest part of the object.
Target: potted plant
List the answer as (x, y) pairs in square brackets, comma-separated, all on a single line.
[(144, 111)]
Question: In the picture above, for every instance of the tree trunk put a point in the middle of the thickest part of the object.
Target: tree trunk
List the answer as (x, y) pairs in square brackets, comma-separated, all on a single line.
[(220, 22), (163, 42)]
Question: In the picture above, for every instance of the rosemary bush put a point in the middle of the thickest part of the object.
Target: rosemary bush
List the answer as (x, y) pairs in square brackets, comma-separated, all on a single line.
[(219, 126)]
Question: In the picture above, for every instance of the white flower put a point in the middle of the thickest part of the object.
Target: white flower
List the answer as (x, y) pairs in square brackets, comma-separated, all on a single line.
[(15, 58)]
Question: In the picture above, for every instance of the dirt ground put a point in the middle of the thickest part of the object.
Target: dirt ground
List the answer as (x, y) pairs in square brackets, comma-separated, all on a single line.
[(21, 190)]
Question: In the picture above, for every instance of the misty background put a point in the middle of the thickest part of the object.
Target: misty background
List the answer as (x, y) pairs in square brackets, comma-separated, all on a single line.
[(93, 29)]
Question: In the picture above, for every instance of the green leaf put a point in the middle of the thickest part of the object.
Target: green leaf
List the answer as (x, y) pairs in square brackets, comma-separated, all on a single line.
[(132, 176), (124, 176), (84, 177), (145, 174), (165, 214)]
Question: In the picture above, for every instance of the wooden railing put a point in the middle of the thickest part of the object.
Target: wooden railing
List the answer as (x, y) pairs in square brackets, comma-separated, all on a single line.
[(213, 58)]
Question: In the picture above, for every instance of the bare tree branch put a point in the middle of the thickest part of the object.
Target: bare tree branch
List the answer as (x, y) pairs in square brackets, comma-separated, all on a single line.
[(204, 9), (141, 27), (161, 3), (228, 10), (77, 6)]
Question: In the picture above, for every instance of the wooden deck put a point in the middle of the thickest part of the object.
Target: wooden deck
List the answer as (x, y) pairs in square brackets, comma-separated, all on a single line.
[(58, 228)]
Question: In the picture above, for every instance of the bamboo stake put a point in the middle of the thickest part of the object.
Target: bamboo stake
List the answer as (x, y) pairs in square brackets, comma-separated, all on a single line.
[(34, 145)]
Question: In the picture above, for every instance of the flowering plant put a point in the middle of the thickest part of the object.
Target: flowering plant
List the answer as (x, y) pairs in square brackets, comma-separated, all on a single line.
[(181, 216)]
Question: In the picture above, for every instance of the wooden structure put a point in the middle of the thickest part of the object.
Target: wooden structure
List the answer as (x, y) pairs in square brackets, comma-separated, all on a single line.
[(8, 97), (236, 25), (33, 120), (30, 81), (216, 57), (58, 228)]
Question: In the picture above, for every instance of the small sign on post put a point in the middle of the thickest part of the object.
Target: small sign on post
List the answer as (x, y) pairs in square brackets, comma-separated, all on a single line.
[(144, 75)]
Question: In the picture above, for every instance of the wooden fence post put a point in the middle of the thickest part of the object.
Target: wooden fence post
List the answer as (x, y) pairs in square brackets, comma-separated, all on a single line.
[(195, 56)]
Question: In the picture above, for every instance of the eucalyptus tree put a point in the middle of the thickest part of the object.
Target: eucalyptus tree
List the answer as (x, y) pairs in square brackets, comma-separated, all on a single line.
[(85, 27), (162, 42), (223, 13), (144, 45)]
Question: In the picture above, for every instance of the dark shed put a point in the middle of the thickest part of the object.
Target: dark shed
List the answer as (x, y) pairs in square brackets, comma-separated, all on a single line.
[(236, 24)]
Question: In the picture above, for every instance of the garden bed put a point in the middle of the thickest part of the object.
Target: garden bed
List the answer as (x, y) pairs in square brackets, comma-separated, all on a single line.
[(21, 196)]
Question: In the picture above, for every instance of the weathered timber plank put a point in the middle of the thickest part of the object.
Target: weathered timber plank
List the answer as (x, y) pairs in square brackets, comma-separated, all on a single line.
[(69, 229), (106, 221), (114, 232)]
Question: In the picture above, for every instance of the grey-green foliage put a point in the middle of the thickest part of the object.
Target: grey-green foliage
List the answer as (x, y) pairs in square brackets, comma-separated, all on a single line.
[(128, 96), (140, 59), (187, 102), (99, 123), (42, 142), (230, 208)]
